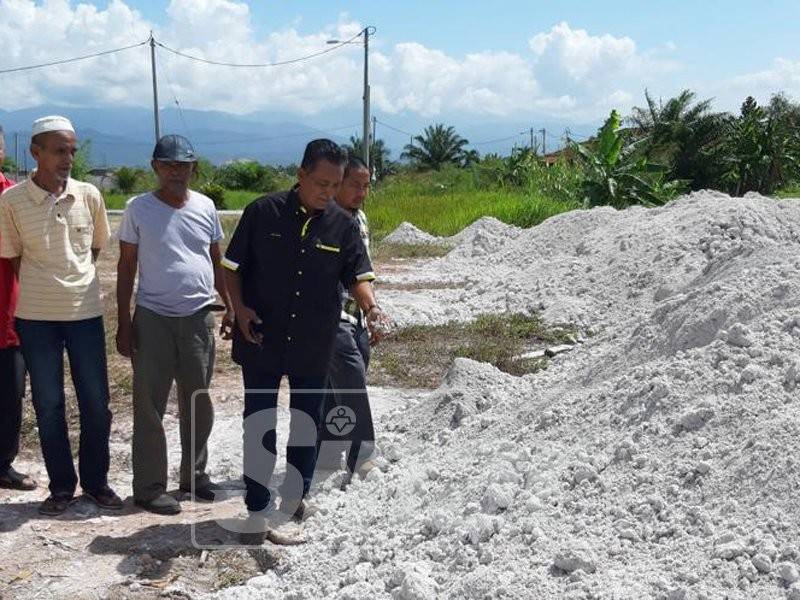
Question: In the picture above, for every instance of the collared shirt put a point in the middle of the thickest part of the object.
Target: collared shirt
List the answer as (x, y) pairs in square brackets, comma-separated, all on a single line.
[(291, 264), (54, 236), (9, 291), (350, 310)]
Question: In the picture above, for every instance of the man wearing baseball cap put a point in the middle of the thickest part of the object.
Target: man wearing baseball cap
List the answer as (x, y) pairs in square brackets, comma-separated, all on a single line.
[(12, 367), (52, 228), (172, 237)]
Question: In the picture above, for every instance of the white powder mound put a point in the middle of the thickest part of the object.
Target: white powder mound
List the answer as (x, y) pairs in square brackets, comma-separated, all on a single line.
[(658, 460), (484, 236), (408, 234)]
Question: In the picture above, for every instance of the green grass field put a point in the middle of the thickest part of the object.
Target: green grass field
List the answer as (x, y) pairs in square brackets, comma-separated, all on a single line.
[(438, 203), (235, 199)]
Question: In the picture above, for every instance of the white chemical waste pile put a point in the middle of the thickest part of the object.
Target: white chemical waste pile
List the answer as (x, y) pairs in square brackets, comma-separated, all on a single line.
[(659, 459)]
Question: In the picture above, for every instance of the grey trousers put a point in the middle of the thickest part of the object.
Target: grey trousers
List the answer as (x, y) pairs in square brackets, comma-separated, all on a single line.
[(167, 349), (348, 371)]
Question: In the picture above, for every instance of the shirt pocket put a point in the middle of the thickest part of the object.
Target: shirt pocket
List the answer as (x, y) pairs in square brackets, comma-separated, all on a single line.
[(81, 232)]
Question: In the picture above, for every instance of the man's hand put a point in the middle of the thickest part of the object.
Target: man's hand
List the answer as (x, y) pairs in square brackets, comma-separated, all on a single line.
[(379, 325), (226, 329), (246, 317), (124, 340)]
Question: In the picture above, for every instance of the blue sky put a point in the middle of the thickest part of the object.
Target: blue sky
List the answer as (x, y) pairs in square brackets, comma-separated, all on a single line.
[(723, 37), (509, 62)]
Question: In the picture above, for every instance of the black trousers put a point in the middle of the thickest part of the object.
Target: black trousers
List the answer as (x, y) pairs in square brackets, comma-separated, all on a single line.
[(12, 390)]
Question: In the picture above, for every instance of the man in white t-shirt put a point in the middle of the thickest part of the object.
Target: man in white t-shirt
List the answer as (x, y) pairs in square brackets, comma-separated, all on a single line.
[(172, 236)]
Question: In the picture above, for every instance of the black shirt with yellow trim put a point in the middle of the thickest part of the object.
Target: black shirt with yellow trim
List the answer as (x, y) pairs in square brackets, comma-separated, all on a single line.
[(291, 263)]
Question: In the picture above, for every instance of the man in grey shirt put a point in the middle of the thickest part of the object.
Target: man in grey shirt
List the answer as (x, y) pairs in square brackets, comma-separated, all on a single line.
[(172, 235)]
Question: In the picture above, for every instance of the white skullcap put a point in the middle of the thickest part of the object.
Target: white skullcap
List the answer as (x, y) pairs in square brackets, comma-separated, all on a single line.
[(51, 123)]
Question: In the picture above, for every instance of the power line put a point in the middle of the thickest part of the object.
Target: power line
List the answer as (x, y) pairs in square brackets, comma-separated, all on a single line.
[(277, 137), (258, 65), (177, 103), (70, 60), (385, 124), (498, 140)]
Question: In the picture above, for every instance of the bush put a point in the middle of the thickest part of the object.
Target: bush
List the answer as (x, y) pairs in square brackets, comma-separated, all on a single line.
[(240, 175), (217, 193), (127, 178)]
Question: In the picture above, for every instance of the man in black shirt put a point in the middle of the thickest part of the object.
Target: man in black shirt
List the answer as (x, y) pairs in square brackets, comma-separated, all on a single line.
[(283, 266)]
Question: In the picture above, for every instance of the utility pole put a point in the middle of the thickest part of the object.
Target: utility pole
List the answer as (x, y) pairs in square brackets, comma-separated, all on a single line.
[(533, 147), (155, 85), (374, 140), (366, 141), (544, 141)]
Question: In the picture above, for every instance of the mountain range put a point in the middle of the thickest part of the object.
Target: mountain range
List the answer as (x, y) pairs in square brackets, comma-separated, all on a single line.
[(125, 135)]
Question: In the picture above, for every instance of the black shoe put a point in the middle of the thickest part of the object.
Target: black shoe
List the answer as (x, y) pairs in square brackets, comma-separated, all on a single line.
[(207, 492), (162, 505), (14, 480), (105, 498), (55, 505)]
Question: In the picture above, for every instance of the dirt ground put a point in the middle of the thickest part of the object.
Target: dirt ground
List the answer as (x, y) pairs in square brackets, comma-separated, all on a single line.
[(89, 553)]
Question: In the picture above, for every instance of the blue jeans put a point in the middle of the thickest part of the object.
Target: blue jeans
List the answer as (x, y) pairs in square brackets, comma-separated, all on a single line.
[(260, 439), (43, 344)]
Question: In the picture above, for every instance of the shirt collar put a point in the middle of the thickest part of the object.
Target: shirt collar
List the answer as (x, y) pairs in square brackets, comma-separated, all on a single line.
[(297, 206), (39, 195)]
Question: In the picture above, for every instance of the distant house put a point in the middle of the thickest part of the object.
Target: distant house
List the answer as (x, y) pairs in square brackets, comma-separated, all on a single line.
[(104, 178), (551, 158)]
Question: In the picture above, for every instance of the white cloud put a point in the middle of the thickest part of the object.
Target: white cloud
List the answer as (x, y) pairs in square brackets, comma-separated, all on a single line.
[(784, 75), (569, 72), (597, 72)]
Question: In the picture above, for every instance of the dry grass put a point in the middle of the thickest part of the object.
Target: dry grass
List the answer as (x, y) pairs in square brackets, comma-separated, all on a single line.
[(419, 356)]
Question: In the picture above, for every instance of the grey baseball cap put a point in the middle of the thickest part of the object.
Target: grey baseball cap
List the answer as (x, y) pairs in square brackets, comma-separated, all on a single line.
[(174, 148)]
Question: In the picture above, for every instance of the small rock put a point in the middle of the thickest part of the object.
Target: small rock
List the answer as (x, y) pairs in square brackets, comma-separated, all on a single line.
[(762, 563), (694, 419), (497, 497), (740, 336), (729, 551), (793, 593), (551, 352), (572, 559), (788, 572), (703, 468)]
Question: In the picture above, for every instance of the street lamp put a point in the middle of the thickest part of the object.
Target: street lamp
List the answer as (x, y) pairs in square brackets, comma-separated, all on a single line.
[(365, 140)]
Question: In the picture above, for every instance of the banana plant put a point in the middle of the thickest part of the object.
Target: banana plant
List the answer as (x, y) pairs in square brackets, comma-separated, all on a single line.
[(617, 175)]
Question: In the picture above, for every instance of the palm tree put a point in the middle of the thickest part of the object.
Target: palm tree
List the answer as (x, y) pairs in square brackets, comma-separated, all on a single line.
[(439, 145), (684, 134), (378, 154)]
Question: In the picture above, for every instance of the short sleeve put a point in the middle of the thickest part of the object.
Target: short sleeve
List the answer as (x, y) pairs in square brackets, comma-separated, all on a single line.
[(10, 241), (99, 218), (218, 234), (236, 254), (356, 264), (128, 230)]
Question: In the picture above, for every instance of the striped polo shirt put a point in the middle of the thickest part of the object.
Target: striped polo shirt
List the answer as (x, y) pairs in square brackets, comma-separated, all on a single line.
[(54, 236), (350, 310)]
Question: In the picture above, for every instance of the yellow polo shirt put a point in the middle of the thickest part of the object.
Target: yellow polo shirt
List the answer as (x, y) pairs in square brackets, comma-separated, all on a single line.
[(54, 237)]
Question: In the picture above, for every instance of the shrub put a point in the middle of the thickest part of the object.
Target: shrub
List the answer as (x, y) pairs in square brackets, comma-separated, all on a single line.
[(127, 178), (216, 192)]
